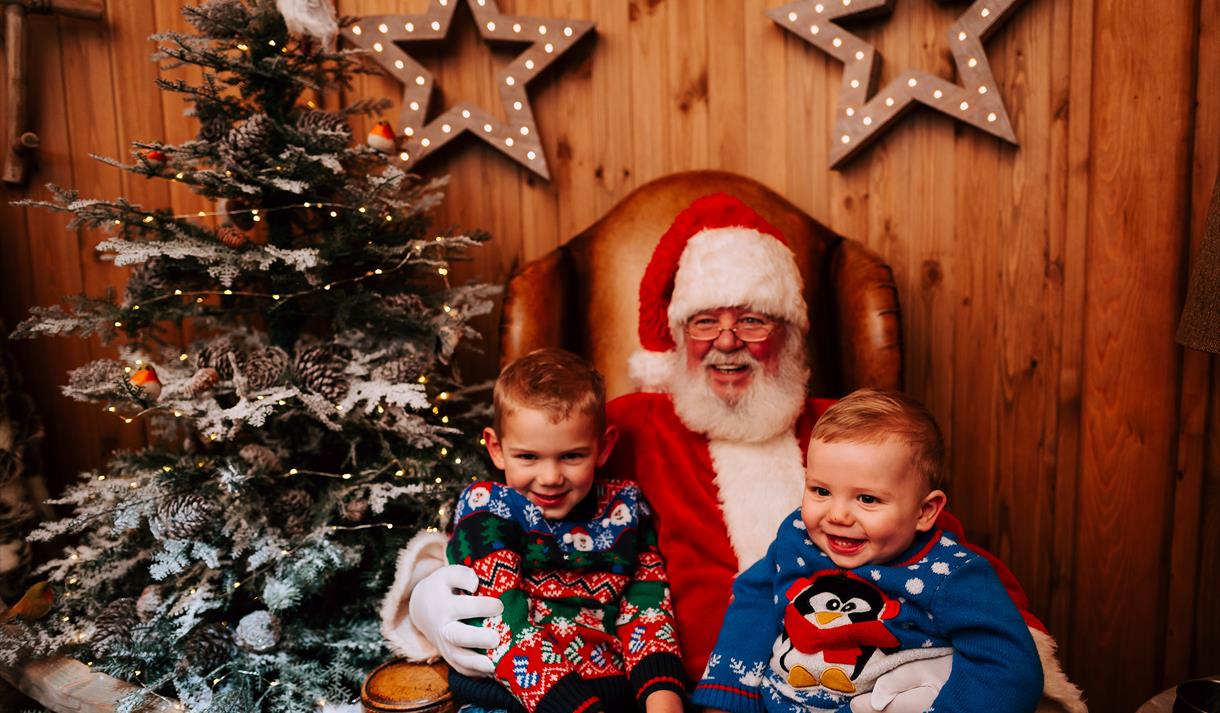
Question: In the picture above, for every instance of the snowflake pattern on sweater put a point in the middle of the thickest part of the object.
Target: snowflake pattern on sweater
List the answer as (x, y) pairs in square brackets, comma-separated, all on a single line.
[(804, 635), (585, 598)]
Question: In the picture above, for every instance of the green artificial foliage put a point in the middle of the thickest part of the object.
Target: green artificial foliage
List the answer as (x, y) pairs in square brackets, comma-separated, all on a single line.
[(309, 423)]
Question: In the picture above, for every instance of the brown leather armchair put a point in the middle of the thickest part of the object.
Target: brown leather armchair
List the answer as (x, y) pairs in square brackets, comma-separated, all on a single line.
[(583, 297)]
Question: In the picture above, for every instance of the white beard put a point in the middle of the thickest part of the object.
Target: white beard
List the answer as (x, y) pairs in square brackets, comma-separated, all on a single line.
[(767, 408), (754, 449)]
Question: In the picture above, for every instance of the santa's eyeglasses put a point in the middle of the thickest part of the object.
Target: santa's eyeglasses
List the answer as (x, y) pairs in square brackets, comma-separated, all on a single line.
[(751, 328)]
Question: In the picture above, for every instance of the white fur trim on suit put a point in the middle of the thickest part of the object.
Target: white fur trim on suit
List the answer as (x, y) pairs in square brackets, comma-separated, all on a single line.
[(422, 556), (728, 267), (759, 483), (650, 371), (1058, 693)]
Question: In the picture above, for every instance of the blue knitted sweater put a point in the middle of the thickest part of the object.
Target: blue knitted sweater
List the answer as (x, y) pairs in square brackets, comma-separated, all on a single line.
[(804, 635)]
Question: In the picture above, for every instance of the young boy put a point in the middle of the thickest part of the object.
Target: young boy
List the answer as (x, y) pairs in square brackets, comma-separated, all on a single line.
[(587, 623), (859, 581)]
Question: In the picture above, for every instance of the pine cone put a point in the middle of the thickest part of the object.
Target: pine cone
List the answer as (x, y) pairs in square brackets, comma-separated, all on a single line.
[(98, 378), (219, 18), (261, 457), (328, 129), (291, 509), (321, 370), (186, 517), (147, 280), (216, 356), (356, 509), (232, 237), (114, 624), (149, 602), (405, 369), (249, 146), (201, 382), (213, 130), (263, 368), (258, 631), (408, 304), (207, 648)]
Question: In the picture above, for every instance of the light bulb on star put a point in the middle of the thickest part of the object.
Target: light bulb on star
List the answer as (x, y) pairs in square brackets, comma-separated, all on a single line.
[(382, 137)]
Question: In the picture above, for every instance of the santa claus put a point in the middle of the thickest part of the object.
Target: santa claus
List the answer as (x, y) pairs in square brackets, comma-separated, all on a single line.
[(716, 441)]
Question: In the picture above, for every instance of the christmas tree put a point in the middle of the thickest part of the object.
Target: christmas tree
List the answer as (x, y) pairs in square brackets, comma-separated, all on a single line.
[(294, 365)]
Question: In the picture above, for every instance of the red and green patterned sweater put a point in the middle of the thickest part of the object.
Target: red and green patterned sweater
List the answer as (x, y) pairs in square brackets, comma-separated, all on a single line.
[(587, 620)]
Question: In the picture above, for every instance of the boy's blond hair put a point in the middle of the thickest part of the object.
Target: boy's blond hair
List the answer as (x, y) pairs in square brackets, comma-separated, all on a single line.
[(551, 380), (876, 415)]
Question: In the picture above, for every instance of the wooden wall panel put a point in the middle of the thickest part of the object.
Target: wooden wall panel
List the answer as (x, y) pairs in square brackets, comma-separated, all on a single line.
[(1134, 253), (1040, 284)]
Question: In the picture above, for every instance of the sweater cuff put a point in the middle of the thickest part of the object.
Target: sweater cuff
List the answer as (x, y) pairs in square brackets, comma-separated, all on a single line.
[(570, 694), (709, 694), (660, 671)]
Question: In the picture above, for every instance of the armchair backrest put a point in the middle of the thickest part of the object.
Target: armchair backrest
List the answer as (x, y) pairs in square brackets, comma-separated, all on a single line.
[(584, 295)]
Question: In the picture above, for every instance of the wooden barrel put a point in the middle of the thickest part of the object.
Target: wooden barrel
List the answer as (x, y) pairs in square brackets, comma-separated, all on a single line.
[(400, 686)]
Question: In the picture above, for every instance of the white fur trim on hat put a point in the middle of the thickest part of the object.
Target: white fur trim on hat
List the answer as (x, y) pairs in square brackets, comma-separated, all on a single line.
[(422, 556), (650, 371), (737, 267)]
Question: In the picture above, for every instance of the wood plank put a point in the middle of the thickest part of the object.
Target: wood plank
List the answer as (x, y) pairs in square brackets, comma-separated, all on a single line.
[(72, 440), (1030, 301), (611, 87), (1135, 276), (91, 92), (1069, 235), (765, 105), (687, 85), (1184, 640), (726, 85), (649, 101)]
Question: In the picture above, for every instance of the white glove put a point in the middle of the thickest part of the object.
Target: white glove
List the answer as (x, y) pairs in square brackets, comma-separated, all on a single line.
[(437, 609), (909, 688)]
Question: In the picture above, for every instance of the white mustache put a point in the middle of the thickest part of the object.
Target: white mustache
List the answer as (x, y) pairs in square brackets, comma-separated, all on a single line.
[(719, 358)]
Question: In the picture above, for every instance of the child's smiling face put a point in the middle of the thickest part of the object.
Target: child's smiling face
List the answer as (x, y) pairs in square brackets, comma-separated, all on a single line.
[(865, 502), (552, 463)]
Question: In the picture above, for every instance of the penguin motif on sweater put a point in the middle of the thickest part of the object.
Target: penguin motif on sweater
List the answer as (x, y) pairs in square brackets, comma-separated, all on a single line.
[(833, 627)]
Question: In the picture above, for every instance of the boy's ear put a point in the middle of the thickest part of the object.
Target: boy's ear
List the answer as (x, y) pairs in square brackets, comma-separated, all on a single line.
[(494, 448), (609, 438), (930, 509)]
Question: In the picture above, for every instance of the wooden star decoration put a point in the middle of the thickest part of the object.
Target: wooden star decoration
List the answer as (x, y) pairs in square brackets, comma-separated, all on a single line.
[(862, 114), (549, 38)]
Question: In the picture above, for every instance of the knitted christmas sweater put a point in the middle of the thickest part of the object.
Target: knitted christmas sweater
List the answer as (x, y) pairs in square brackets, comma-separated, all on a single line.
[(804, 635), (587, 623)]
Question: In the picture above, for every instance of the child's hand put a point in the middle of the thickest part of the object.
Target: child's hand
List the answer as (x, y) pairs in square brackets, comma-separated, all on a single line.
[(663, 702)]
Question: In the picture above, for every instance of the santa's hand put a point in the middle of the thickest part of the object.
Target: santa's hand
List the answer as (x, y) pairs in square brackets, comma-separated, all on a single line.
[(909, 688), (440, 602)]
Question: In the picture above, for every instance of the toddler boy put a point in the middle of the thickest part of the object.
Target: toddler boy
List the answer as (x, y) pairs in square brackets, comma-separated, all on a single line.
[(860, 581), (587, 623)]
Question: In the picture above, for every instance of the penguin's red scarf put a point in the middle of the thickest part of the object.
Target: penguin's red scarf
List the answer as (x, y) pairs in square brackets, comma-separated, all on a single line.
[(842, 644)]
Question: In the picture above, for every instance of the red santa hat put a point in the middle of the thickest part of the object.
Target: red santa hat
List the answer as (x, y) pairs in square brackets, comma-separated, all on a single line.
[(717, 253)]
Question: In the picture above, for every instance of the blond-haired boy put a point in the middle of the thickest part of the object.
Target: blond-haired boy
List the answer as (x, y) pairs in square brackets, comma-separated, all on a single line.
[(587, 623), (859, 581)]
